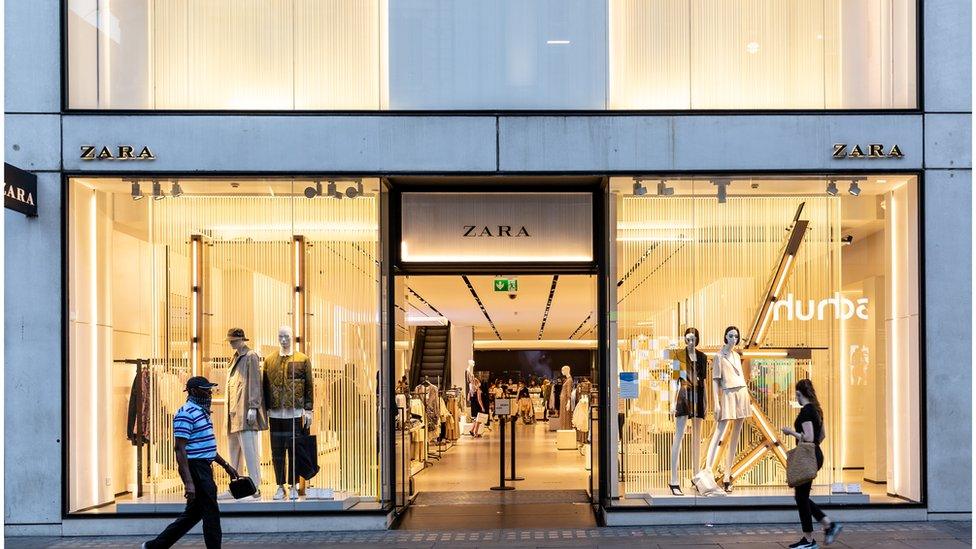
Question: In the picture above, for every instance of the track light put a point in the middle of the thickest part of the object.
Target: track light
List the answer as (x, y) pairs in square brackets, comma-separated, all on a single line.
[(136, 191), (855, 189), (663, 189), (157, 191), (722, 192), (639, 190), (832, 188), (176, 190)]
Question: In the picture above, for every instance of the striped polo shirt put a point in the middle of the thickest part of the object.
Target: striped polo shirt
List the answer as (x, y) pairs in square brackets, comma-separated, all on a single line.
[(194, 425)]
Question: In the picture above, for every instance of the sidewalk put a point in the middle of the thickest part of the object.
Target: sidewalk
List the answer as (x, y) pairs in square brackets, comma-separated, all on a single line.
[(924, 535)]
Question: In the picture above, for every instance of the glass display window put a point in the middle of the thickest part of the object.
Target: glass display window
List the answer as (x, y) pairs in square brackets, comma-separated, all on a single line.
[(819, 277), (268, 288)]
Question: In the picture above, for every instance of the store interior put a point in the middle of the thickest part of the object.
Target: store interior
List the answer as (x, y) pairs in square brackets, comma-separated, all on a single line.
[(476, 339)]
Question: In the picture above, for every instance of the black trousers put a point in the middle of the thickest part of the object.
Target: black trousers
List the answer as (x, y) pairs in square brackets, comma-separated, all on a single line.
[(808, 509), (283, 432), (203, 507)]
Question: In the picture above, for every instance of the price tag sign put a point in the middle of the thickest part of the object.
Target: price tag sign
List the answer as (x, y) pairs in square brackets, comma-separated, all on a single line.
[(503, 406)]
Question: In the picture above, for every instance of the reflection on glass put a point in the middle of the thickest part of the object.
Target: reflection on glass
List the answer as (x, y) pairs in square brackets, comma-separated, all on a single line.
[(823, 286), (154, 288)]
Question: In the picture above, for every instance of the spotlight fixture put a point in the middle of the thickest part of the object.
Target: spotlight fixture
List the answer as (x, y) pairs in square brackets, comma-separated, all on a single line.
[(832, 188), (722, 192), (357, 190), (639, 190), (847, 240), (663, 189), (176, 190), (136, 191), (312, 192), (157, 191), (855, 189)]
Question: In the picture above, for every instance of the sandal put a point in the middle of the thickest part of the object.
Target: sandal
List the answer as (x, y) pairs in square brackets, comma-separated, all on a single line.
[(675, 490)]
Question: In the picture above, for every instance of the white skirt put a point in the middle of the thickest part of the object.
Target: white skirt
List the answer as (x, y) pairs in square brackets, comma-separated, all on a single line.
[(735, 404)]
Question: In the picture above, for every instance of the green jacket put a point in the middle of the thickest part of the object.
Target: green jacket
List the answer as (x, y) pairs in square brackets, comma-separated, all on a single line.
[(288, 381)]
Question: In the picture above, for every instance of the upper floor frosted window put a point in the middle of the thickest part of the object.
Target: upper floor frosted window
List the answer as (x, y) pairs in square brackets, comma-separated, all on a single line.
[(224, 54), (762, 54), (505, 54)]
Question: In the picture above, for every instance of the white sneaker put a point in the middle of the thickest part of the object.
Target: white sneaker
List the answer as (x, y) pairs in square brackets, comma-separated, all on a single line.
[(293, 495), (223, 496), (279, 493)]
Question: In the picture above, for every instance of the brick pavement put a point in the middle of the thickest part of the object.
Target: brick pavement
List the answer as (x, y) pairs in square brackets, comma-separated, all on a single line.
[(925, 535)]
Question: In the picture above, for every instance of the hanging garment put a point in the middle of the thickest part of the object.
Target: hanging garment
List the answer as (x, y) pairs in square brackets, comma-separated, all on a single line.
[(138, 418), (581, 415)]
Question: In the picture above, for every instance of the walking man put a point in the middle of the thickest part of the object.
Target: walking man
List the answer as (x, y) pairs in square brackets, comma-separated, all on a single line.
[(195, 448)]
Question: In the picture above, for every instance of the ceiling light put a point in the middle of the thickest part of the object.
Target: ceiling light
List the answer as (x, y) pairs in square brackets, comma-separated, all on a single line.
[(832, 188), (664, 190), (639, 190), (752, 47), (557, 42), (722, 193), (176, 190), (136, 191), (855, 189)]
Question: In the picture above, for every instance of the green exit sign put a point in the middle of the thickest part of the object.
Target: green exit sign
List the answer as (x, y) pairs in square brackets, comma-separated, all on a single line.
[(506, 284)]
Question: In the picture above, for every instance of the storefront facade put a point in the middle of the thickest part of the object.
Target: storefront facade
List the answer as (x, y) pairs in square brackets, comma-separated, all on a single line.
[(168, 212)]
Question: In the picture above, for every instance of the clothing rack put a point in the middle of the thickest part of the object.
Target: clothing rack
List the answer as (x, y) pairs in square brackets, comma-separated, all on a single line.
[(142, 369)]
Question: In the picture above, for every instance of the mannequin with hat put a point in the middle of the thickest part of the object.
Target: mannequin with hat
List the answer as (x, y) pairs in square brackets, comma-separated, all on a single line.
[(246, 417)]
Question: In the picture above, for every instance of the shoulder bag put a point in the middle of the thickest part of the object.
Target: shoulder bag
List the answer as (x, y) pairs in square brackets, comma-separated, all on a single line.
[(801, 464)]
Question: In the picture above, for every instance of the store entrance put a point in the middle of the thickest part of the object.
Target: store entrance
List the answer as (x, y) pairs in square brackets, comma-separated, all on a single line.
[(465, 343)]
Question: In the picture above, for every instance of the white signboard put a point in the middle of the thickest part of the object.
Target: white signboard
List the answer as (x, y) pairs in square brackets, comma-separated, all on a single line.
[(496, 227), (503, 406)]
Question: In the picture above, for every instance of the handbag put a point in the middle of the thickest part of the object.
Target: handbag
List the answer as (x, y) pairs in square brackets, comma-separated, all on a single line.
[(705, 483), (241, 487), (801, 464), (481, 418), (306, 455)]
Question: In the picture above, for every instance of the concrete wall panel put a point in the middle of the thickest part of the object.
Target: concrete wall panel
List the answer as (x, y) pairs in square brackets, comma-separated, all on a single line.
[(32, 360), (32, 56), (727, 142), (32, 141), (947, 55), (948, 333), (948, 141), (287, 143)]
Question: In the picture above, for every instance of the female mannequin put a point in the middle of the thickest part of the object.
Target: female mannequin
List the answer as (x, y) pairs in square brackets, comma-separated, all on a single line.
[(693, 369), (732, 402), (565, 400)]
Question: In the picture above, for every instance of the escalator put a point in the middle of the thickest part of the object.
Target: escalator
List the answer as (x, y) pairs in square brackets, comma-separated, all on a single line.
[(431, 359)]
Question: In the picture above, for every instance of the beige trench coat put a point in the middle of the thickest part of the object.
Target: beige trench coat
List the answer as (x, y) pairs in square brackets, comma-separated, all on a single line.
[(244, 392)]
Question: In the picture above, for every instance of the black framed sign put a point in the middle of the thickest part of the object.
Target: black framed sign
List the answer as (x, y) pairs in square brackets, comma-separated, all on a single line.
[(19, 190)]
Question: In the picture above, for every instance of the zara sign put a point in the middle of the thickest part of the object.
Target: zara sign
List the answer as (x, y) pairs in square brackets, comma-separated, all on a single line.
[(19, 190), (496, 227)]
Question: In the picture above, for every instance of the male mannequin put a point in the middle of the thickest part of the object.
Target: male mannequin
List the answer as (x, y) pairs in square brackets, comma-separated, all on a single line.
[(566, 400), (693, 366), (732, 402), (288, 394), (245, 411)]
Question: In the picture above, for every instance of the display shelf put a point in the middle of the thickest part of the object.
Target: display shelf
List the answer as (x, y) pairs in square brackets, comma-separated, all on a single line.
[(176, 504)]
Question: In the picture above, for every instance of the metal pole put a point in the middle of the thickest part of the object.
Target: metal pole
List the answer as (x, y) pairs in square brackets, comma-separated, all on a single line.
[(514, 476), (501, 460)]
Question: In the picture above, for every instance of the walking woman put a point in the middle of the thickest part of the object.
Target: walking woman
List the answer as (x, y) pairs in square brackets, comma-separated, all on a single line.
[(478, 409), (809, 427)]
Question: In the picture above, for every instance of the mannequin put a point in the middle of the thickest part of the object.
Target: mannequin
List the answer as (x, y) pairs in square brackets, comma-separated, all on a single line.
[(566, 400), (288, 392), (692, 379), (732, 402), (245, 411)]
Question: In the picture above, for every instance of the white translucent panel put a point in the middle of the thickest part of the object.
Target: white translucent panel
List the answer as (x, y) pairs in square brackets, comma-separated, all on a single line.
[(506, 54), (225, 54), (762, 54)]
